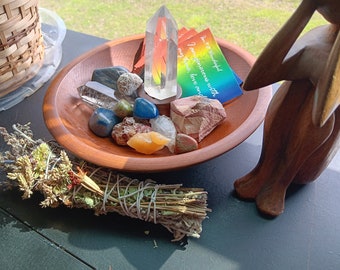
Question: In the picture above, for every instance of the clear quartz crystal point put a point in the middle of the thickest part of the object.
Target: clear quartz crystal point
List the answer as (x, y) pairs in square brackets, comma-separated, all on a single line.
[(97, 95), (161, 42)]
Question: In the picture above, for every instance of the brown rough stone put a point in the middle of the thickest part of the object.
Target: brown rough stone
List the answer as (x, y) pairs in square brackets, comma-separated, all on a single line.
[(196, 116)]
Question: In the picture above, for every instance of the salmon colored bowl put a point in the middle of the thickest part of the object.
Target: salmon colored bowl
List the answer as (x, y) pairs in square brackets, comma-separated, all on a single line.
[(66, 116)]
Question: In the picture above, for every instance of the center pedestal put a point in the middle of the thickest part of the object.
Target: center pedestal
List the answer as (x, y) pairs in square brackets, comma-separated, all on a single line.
[(162, 105)]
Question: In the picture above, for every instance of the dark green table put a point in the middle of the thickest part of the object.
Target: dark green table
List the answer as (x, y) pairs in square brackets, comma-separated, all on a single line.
[(236, 236)]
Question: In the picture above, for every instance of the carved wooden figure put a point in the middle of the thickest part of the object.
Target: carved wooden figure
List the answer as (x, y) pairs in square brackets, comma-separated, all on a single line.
[(302, 124)]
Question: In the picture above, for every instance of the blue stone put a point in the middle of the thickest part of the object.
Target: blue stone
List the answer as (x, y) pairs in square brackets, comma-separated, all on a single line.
[(102, 122), (145, 109), (109, 75)]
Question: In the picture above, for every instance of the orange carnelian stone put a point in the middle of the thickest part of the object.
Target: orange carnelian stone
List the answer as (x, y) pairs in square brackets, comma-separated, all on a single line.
[(148, 143)]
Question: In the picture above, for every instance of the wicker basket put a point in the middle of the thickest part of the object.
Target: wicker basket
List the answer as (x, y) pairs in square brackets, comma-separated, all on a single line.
[(21, 43)]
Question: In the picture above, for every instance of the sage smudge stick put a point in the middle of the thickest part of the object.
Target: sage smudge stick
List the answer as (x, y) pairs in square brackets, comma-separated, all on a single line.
[(35, 165)]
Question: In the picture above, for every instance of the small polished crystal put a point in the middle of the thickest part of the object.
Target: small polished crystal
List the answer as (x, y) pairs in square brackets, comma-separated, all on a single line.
[(144, 109), (102, 122), (108, 75), (161, 43), (123, 108)]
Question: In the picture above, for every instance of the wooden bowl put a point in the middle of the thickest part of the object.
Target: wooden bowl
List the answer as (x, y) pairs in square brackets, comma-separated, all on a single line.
[(66, 116)]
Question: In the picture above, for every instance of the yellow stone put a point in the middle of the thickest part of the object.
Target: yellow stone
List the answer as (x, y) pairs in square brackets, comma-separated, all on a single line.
[(148, 143)]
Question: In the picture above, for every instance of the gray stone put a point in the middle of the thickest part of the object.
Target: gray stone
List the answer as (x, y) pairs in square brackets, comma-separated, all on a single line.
[(109, 75)]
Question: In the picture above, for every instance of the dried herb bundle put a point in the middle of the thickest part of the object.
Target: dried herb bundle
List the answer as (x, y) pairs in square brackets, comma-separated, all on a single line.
[(39, 166)]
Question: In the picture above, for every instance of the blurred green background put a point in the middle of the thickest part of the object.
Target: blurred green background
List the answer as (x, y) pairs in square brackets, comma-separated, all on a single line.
[(247, 23)]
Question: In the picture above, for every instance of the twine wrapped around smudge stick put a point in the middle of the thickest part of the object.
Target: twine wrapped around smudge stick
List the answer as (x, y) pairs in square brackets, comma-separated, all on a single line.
[(35, 165)]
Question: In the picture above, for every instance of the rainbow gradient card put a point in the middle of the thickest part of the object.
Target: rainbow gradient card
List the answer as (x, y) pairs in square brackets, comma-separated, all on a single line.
[(203, 70)]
